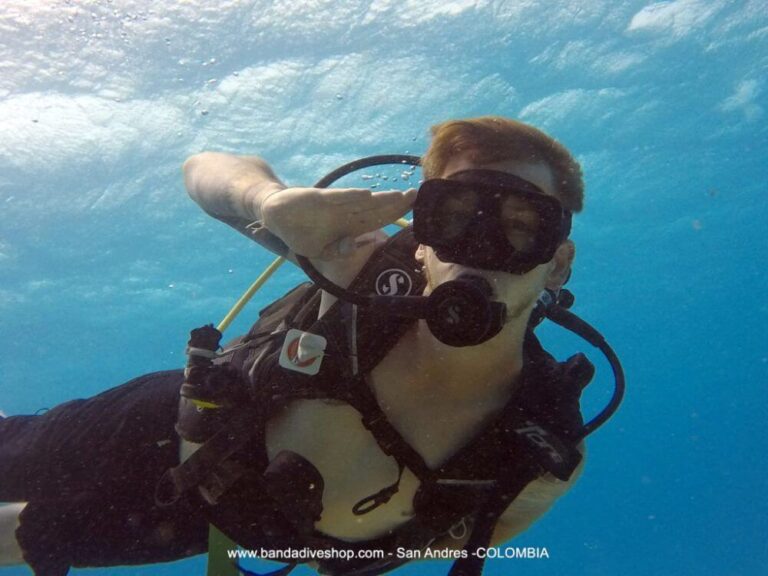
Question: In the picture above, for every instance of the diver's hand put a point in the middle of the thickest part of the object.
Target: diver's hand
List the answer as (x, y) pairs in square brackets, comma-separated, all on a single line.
[(325, 223)]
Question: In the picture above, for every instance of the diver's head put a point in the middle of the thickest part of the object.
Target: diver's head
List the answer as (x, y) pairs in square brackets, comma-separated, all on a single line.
[(490, 139), (496, 203)]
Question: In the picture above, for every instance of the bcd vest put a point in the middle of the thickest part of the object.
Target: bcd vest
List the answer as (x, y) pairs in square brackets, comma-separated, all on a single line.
[(263, 504)]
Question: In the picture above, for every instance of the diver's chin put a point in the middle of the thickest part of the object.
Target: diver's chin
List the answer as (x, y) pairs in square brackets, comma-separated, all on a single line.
[(450, 271), (519, 310)]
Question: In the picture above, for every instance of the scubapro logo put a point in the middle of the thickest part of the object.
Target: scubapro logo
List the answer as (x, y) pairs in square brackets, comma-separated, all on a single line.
[(454, 315), (393, 282)]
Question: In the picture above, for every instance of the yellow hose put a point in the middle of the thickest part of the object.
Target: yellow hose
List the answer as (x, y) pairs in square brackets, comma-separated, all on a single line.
[(258, 283)]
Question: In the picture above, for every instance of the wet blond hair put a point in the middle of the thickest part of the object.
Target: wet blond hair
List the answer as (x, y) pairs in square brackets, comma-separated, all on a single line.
[(490, 139)]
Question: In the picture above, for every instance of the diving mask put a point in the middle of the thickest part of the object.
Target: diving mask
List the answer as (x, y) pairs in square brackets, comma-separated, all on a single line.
[(489, 220)]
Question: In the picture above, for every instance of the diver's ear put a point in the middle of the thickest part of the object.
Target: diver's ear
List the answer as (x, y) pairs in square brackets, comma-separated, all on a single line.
[(561, 265), (421, 253)]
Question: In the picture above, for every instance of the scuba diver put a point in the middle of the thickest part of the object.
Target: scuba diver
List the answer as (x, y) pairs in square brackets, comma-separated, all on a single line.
[(399, 402)]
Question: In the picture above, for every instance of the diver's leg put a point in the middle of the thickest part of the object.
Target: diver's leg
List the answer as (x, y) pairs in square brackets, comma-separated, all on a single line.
[(10, 552), (91, 444), (88, 470)]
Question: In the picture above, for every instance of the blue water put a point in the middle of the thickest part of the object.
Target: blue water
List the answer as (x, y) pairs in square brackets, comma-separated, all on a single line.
[(105, 264)]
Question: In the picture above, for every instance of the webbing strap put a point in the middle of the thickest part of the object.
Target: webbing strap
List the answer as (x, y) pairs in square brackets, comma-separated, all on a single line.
[(487, 517), (361, 397)]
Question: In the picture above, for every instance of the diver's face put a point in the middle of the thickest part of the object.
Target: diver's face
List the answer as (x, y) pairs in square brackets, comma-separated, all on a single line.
[(518, 291)]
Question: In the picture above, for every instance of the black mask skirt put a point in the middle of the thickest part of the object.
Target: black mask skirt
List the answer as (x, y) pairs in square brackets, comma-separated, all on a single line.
[(489, 220)]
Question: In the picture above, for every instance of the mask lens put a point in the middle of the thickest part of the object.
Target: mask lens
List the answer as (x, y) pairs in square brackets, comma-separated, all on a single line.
[(521, 222), (454, 212)]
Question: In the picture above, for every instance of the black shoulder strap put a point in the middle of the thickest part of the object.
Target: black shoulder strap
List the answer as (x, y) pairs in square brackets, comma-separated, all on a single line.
[(392, 270)]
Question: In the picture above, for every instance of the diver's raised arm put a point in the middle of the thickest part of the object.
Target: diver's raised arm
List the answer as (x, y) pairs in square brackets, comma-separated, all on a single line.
[(320, 223), (232, 189)]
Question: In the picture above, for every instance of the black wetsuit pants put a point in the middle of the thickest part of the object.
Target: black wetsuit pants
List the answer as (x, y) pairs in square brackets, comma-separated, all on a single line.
[(88, 470)]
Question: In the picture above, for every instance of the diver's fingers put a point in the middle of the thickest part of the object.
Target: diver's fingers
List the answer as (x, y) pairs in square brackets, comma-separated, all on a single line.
[(388, 198), (359, 199), (346, 246), (388, 205), (379, 213), (360, 227), (341, 196)]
